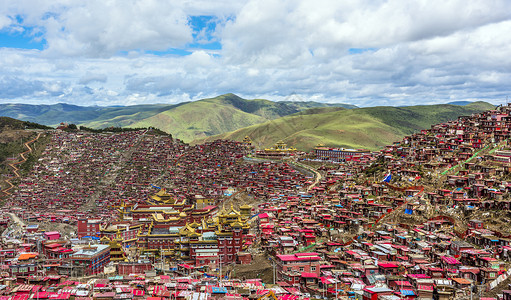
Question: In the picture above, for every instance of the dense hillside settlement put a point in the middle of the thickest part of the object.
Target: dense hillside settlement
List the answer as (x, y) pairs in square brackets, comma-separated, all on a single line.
[(140, 215)]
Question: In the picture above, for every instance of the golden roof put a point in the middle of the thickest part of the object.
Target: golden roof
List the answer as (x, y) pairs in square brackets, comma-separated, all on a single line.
[(163, 196), (232, 211), (280, 146)]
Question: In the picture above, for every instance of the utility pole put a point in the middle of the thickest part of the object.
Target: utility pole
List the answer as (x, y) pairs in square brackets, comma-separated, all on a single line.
[(161, 259)]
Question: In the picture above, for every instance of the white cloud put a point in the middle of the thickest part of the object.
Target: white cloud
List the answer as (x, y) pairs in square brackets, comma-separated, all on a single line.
[(92, 77), (4, 21), (359, 51)]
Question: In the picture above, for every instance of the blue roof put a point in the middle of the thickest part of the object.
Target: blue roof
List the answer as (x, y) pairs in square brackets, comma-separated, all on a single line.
[(219, 290), (407, 292)]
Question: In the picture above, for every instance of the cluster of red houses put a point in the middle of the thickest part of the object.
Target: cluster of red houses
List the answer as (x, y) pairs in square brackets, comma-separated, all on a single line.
[(402, 223)]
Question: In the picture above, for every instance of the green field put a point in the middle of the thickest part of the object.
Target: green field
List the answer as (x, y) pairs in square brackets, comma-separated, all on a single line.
[(369, 128)]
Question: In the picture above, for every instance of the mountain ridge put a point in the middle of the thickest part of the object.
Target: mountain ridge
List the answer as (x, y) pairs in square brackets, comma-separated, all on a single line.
[(370, 127), (186, 121)]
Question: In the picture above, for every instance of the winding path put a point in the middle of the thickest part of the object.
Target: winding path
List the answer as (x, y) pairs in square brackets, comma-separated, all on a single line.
[(16, 169), (317, 175)]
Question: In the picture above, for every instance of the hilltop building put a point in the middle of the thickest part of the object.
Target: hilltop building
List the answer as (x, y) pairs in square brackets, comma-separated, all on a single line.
[(247, 141), (338, 154), (280, 149)]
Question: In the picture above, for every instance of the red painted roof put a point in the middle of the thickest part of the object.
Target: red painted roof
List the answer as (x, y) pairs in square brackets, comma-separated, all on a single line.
[(299, 257), (309, 275), (387, 265)]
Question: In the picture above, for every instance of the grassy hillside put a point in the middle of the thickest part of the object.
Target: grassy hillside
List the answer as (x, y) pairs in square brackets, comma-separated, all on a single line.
[(186, 121), (369, 128), (200, 119), (225, 113), (87, 115)]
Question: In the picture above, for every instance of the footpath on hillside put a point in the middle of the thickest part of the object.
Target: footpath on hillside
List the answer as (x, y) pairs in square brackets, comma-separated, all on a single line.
[(24, 156)]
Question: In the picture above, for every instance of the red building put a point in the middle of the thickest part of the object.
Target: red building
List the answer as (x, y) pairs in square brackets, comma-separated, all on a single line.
[(229, 243), (92, 258), (291, 264), (338, 154), (52, 235), (88, 227), (244, 258), (206, 257), (126, 268), (373, 292), (26, 266)]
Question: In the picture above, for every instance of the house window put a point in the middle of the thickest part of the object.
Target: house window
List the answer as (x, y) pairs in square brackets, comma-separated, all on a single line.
[(302, 269), (313, 268)]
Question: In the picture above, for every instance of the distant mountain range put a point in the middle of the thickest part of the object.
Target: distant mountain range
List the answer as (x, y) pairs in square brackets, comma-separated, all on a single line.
[(302, 124), (57, 113), (369, 128), (186, 121)]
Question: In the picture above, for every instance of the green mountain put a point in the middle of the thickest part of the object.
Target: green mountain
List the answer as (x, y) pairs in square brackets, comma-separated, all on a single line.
[(218, 115), (369, 128), (186, 121), (56, 113), (7, 123)]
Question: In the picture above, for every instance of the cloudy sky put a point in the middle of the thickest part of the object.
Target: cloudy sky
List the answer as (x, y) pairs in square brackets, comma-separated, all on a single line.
[(112, 52)]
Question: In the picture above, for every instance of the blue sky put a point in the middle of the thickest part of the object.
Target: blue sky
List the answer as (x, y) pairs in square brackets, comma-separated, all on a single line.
[(19, 41), (365, 52)]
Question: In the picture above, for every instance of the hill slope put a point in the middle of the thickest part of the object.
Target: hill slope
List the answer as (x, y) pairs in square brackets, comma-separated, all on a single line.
[(218, 115), (369, 128), (56, 113), (186, 121)]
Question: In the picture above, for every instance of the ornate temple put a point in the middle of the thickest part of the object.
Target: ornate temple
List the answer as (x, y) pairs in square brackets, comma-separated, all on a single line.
[(280, 149), (174, 230), (117, 253), (164, 198)]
